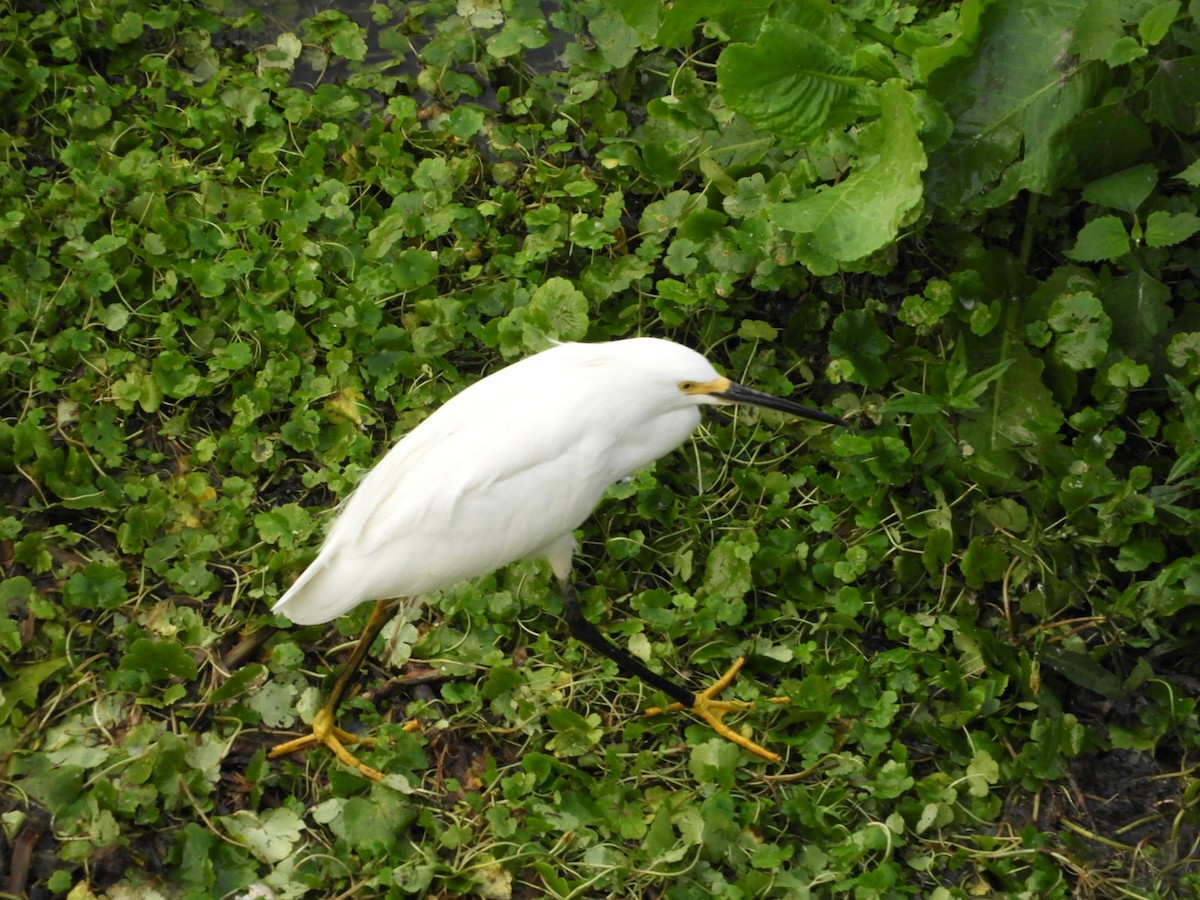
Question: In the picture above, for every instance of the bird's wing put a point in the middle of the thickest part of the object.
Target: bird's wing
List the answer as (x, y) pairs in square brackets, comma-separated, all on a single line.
[(469, 484), (498, 473)]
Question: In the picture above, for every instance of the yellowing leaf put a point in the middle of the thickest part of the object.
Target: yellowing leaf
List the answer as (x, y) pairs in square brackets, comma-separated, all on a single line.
[(271, 835)]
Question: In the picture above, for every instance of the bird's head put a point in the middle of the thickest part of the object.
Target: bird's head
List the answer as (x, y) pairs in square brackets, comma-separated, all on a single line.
[(721, 390), (682, 372)]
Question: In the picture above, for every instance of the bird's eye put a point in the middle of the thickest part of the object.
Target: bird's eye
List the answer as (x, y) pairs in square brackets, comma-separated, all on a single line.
[(687, 386)]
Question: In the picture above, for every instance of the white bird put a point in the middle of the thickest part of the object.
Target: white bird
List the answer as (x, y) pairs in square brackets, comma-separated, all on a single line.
[(507, 470)]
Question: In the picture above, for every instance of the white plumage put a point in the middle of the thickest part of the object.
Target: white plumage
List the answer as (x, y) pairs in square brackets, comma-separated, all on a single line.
[(505, 470)]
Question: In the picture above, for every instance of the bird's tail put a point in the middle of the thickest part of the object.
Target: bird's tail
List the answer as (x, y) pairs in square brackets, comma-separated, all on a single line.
[(320, 594)]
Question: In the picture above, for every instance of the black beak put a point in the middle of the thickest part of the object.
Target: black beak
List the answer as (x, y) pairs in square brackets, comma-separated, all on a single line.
[(736, 393)]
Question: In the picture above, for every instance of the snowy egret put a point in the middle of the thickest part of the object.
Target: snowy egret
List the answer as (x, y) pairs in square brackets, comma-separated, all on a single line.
[(507, 470)]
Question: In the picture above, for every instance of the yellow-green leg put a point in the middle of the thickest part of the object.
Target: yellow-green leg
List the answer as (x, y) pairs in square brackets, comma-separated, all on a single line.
[(324, 731), (713, 711)]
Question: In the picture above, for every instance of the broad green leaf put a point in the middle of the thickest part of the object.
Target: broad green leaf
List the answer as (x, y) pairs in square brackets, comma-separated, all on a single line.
[(238, 682), (1124, 191), (1140, 308), (1103, 238), (1084, 671), (964, 38), (1098, 29), (855, 218), (792, 83), (1191, 174), (680, 19), (1018, 415), (644, 16), (1173, 91), (374, 820), (858, 338), (1035, 89)]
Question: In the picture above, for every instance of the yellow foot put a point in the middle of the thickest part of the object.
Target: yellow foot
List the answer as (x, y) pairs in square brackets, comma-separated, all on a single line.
[(325, 732), (713, 711)]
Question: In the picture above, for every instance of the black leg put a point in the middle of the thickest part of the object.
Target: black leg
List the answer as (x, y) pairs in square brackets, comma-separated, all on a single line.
[(585, 631)]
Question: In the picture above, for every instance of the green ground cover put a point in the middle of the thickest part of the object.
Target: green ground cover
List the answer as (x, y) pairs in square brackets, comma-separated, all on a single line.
[(242, 251)]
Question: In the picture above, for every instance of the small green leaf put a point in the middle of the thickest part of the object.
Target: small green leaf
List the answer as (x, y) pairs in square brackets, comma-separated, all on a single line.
[(982, 773), (1083, 329), (1191, 174), (154, 660), (1154, 24), (727, 574), (96, 586), (21, 689), (1164, 229), (115, 316), (562, 307), (275, 702), (233, 356), (518, 35), (574, 735), (237, 683), (349, 43), (271, 835), (1183, 352), (714, 761), (754, 330), (1006, 514)]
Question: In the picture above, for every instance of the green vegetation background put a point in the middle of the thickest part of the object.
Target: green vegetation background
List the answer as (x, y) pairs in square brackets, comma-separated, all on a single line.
[(241, 252)]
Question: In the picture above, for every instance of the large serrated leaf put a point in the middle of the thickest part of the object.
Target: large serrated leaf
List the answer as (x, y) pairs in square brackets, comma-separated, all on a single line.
[(853, 219), (791, 83)]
